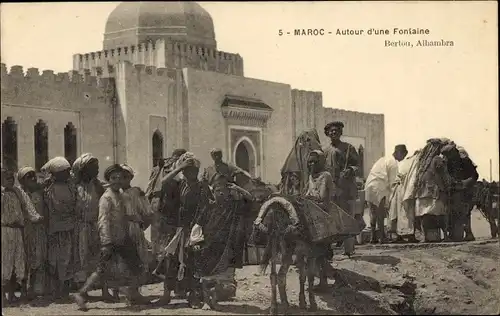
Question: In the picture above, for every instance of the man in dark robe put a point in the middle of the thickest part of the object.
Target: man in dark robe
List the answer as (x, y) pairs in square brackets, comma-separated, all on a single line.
[(342, 161), (464, 175), (153, 192)]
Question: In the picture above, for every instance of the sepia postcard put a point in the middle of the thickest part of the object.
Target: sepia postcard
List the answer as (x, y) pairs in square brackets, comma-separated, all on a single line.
[(323, 157)]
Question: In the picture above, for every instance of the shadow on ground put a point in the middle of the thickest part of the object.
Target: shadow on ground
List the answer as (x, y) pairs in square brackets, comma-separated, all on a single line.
[(381, 260), (243, 309), (354, 293)]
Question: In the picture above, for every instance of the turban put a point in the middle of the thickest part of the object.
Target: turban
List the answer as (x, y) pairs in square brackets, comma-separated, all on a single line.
[(128, 168), (111, 169), (178, 152), (23, 172), (215, 150), (189, 156), (82, 161), (55, 165)]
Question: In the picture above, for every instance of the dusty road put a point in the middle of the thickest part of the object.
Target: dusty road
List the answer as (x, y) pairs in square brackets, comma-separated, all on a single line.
[(391, 279)]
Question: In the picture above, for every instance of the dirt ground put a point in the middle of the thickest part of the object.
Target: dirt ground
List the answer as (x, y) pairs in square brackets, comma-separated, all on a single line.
[(451, 278)]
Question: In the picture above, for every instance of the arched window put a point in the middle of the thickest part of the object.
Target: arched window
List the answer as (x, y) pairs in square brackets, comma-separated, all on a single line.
[(70, 142), (361, 152), (157, 147), (41, 144), (9, 143)]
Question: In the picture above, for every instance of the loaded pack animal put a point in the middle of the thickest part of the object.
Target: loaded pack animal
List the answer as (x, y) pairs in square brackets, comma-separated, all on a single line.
[(486, 199), (284, 227)]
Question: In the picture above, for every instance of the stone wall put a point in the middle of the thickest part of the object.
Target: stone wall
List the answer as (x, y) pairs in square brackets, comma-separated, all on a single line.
[(208, 128), (359, 125), (57, 99), (147, 102)]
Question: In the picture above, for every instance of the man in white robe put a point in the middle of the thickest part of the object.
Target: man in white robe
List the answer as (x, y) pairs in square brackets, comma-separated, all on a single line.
[(378, 190)]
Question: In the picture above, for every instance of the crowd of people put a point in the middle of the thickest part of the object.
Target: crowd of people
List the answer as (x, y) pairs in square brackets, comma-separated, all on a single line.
[(73, 228), (430, 194)]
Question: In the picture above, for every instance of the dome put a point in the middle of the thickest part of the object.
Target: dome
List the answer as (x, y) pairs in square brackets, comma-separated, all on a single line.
[(132, 23)]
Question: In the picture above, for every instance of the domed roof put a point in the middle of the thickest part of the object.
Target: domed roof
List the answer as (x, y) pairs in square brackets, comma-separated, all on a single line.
[(132, 23)]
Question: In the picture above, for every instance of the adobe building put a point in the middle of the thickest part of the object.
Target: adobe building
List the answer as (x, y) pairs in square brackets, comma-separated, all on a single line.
[(160, 83)]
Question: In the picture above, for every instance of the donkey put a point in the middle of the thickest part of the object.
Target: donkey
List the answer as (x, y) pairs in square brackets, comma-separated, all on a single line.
[(285, 236), (279, 224), (282, 220)]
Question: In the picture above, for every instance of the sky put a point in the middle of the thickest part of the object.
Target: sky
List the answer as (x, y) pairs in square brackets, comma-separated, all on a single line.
[(423, 92)]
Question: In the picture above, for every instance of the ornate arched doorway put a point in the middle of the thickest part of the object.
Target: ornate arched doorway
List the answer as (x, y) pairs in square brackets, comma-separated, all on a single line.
[(245, 155)]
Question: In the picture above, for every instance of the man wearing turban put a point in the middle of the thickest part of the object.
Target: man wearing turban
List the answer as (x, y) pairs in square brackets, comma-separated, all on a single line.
[(89, 190), (17, 209), (35, 234), (139, 215), (182, 198), (60, 203), (153, 191)]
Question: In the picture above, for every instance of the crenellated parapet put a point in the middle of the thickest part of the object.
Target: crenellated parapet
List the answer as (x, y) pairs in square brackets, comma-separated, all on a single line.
[(164, 54), (18, 77), (47, 87), (180, 55)]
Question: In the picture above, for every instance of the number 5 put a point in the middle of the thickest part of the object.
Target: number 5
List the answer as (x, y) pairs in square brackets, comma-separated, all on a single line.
[(280, 32)]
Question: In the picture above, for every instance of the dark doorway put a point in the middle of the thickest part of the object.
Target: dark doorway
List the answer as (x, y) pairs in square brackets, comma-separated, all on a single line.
[(242, 157), (157, 147)]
